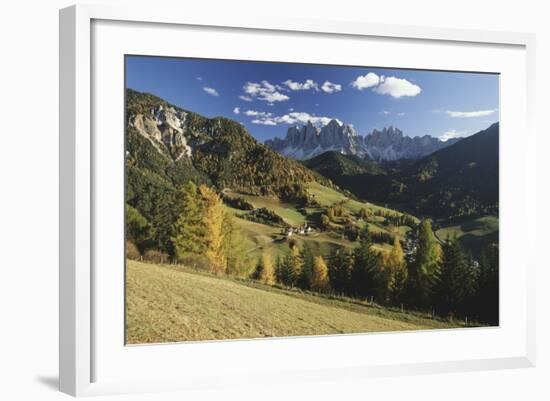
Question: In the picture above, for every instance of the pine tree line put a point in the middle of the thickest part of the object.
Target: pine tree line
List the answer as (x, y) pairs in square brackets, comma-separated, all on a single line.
[(440, 278)]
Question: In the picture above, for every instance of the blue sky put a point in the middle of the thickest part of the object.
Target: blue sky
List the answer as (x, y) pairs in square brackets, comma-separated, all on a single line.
[(269, 97)]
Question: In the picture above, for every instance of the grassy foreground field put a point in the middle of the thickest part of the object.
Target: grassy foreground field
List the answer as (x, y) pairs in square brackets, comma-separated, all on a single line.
[(170, 303)]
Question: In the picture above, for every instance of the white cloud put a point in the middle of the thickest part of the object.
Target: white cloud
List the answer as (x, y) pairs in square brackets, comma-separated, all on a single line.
[(237, 110), (264, 122), (470, 114), (366, 81), (396, 87), (263, 91), (386, 112), (199, 79), (393, 86), (331, 87), (246, 98), (451, 134), (309, 84), (210, 91), (295, 117), (303, 117), (401, 114), (254, 113)]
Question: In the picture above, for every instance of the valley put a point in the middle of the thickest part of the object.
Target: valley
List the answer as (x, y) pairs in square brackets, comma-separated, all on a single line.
[(373, 223), (263, 238)]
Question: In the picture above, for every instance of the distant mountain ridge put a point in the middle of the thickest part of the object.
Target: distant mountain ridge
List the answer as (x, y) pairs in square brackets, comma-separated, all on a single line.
[(458, 181), (390, 143)]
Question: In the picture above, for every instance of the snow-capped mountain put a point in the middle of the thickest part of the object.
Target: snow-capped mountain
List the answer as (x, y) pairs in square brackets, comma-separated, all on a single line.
[(388, 144)]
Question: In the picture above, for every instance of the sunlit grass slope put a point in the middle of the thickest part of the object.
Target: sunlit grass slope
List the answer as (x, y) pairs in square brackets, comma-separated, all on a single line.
[(170, 304)]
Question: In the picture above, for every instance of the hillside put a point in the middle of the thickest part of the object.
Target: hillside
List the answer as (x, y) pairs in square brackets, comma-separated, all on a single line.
[(169, 146), (335, 164), (323, 232), (188, 306), (459, 181), (177, 144)]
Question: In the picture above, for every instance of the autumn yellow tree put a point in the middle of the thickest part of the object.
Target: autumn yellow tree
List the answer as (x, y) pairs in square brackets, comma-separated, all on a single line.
[(215, 232), (397, 270), (265, 271), (319, 278), (363, 213), (291, 267)]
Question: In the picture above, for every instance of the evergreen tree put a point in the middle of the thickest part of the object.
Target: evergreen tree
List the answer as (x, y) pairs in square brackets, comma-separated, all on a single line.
[(287, 272), (239, 262), (257, 270), (189, 230), (319, 277), (487, 298), (458, 283), (425, 269), (306, 273), (163, 215), (339, 271), (365, 267), (278, 270), (291, 267), (138, 229)]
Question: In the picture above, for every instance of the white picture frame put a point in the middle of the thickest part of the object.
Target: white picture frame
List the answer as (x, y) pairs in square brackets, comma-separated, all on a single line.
[(84, 351)]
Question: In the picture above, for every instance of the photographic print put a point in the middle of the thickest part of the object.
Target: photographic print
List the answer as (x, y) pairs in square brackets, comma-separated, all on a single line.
[(270, 199)]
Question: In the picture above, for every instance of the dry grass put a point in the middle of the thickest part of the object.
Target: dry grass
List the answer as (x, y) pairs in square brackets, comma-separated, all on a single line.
[(166, 304)]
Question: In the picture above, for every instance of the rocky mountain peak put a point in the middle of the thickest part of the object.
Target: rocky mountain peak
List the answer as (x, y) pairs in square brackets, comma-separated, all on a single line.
[(308, 141), (165, 127), (388, 143)]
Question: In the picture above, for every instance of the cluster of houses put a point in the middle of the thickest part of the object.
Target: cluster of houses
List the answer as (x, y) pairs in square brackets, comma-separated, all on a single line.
[(304, 230)]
